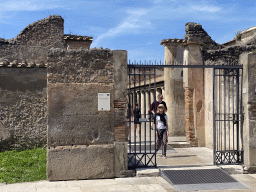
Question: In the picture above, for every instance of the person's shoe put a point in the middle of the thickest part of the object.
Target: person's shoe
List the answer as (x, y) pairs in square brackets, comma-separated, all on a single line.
[(164, 156)]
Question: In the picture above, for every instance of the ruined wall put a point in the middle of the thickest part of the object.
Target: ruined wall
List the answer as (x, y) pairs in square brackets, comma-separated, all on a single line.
[(23, 83), (226, 55), (195, 33), (77, 44), (248, 33), (74, 80), (23, 107), (32, 43), (81, 139)]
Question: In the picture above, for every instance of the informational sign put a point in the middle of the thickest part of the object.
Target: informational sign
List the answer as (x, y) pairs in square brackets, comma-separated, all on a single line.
[(103, 101)]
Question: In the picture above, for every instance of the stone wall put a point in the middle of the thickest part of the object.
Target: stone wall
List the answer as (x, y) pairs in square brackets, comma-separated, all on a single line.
[(249, 103), (74, 80), (32, 43), (226, 55), (77, 44), (77, 131), (195, 33), (23, 62), (23, 83), (23, 107)]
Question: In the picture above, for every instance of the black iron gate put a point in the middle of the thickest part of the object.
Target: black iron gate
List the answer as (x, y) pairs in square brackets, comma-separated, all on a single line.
[(141, 137), (228, 116), (227, 113)]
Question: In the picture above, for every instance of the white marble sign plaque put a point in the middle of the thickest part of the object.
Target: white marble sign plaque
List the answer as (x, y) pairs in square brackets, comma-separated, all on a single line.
[(103, 101)]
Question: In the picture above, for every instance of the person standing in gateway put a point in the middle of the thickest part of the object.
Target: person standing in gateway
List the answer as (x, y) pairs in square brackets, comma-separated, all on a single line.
[(161, 129), (154, 105), (137, 116)]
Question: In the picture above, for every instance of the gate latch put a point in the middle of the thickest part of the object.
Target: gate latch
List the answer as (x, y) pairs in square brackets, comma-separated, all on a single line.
[(235, 118)]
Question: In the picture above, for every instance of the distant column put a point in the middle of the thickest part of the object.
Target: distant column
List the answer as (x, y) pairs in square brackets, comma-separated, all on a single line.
[(163, 92), (152, 95), (158, 91), (147, 101), (138, 98), (142, 104), (173, 84)]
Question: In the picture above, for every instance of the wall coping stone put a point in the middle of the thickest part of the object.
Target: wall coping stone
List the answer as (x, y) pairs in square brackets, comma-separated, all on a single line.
[(173, 41), (77, 38)]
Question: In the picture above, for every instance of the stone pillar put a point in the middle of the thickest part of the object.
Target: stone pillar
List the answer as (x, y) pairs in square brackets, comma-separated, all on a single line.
[(77, 146), (147, 101), (163, 92), (173, 84), (152, 98), (158, 91), (194, 95), (138, 98), (249, 102), (208, 87), (143, 104)]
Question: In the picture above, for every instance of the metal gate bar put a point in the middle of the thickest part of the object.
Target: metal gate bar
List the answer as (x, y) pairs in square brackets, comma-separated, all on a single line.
[(141, 150), (227, 113)]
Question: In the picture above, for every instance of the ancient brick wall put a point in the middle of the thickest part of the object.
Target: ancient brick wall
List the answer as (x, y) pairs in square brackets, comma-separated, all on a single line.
[(33, 42), (77, 44), (74, 80), (228, 54), (195, 33), (23, 82), (23, 107), (78, 131), (248, 33)]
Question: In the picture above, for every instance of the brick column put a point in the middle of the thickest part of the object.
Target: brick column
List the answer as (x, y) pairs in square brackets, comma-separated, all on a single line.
[(120, 107), (189, 117), (194, 95)]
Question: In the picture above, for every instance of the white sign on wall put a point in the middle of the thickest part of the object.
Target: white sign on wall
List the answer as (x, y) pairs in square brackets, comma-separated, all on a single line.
[(103, 101)]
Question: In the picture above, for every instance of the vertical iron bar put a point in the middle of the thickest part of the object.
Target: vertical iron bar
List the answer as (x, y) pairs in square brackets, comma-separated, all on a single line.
[(149, 109), (155, 106), (145, 124), (214, 120), (224, 91), (237, 112), (134, 126), (219, 118), (221, 136), (242, 119), (229, 115), (233, 108), (140, 111), (129, 110)]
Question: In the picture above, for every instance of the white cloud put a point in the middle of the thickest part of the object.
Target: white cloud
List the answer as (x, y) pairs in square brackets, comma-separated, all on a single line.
[(29, 5), (205, 8), (130, 25), (142, 19)]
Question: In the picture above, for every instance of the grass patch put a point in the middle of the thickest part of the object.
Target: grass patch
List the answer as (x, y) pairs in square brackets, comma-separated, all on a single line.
[(22, 166)]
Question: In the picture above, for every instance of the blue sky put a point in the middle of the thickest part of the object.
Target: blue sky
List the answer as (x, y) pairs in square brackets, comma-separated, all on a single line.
[(137, 26)]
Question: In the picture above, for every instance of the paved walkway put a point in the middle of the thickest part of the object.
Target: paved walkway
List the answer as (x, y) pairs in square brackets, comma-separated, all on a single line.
[(176, 158)]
